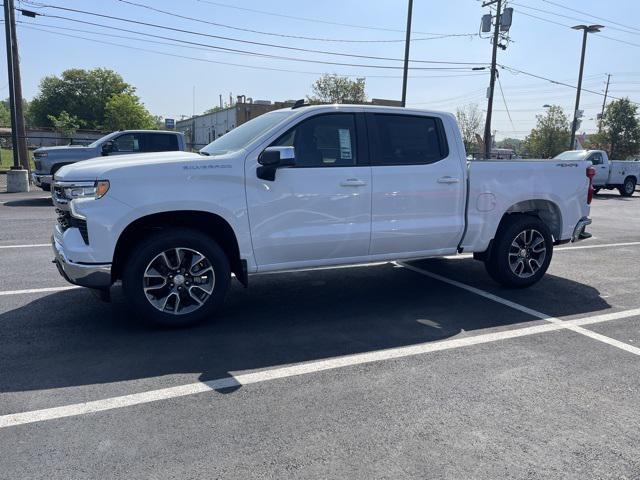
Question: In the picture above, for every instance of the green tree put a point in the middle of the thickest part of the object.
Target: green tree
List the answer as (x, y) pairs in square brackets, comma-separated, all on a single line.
[(5, 112), (336, 89), (5, 115), (125, 112), (470, 120), (514, 144), (64, 123), (81, 93), (621, 128), (550, 136)]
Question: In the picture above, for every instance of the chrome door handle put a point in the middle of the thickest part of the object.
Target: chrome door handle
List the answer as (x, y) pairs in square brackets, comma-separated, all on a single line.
[(353, 182), (448, 180)]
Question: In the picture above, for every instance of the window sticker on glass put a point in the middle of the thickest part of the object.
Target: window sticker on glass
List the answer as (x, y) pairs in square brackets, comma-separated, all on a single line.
[(345, 144)]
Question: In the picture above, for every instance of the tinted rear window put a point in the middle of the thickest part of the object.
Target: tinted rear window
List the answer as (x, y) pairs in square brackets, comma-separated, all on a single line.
[(161, 142), (404, 139)]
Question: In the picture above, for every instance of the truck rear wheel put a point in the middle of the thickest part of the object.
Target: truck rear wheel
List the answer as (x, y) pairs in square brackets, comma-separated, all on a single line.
[(628, 187), (176, 277), (521, 252)]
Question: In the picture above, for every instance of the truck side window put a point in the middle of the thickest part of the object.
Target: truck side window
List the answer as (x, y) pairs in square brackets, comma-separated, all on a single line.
[(160, 142), (323, 141), (129, 142), (407, 140), (596, 159)]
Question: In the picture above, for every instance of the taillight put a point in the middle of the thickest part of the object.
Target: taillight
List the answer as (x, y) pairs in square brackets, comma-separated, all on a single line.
[(591, 172)]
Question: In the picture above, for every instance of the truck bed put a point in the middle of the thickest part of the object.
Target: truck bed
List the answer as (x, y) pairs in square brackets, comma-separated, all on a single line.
[(558, 189)]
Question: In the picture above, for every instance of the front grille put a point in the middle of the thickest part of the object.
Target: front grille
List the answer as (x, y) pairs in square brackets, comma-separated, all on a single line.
[(66, 221)]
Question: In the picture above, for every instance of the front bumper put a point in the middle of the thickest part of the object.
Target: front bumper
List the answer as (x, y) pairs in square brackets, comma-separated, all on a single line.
[(39, 180), (86, 275), (579, 232)]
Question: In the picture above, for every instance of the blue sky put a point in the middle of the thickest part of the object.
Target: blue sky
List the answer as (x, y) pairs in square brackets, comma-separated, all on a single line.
[(165, 83)]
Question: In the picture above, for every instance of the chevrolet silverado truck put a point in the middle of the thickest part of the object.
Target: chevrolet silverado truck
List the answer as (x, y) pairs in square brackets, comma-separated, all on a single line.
[(306, 187), (622, 175), (48, 160)]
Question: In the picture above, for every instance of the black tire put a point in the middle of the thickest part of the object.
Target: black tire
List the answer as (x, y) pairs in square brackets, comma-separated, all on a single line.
[(46, 187), (187, 241), (499, 260), (628, 187)]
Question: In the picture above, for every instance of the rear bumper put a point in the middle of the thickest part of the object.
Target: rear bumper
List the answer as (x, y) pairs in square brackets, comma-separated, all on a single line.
[(39, 180), (86, 275), (579, 232)]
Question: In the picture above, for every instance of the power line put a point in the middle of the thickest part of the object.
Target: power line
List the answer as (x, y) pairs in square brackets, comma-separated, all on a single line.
[(516, 71), (231, 39), (504, 100), (248, 52), (130, 47), (570, 18), (589, 15), (308, 19), (569, 26), (283, 35)]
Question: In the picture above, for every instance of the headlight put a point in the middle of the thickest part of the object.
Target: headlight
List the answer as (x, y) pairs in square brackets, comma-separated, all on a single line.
[(96, 189)]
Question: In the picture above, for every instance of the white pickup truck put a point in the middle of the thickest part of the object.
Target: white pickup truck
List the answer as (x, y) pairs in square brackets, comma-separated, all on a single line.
[(305, 187), (622, 175)]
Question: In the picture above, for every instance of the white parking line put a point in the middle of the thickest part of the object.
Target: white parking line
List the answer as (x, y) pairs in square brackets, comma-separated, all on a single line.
[(22, 418), (37, 290), (35, 245), (600, 245), (535, 313)]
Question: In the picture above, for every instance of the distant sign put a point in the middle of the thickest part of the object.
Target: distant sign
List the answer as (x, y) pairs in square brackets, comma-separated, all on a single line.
[(169, 123)]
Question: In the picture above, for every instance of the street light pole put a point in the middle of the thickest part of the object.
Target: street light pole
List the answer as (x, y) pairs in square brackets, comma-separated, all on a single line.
[(406, 55), (586, 29)]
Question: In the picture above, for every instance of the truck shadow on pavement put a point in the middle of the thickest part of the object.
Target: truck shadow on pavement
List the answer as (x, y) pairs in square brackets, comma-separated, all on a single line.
[(30, 202), (71, 339)]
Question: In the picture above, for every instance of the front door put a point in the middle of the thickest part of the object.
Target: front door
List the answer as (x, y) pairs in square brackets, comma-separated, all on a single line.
[(418, 186), (602, 170), (318, 211)]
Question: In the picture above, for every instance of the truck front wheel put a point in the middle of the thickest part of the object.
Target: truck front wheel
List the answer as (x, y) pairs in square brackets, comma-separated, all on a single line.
[(521, 252), (176, 277), (628, 187)]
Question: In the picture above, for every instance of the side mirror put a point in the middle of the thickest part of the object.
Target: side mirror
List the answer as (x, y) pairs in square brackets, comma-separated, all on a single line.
[(107, 148), (273, 158)]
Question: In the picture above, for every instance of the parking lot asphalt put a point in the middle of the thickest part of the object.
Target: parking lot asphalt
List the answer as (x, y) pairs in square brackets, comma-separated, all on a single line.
[(423, 369)]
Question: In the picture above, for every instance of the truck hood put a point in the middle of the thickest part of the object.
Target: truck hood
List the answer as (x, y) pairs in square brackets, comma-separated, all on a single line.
[(143, 164)]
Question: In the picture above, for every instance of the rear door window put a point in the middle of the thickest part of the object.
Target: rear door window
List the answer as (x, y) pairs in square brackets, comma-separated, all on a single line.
[(160, 142), (406, 139)]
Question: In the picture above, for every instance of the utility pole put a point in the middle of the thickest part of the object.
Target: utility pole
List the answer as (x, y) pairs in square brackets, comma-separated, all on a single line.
[(12, 100), (17, 92), (604, 103), (492, 81), (586, 30), (407, 43)]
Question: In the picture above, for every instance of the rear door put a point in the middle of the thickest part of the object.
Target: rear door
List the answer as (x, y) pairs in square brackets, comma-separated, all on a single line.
[(418, 194)]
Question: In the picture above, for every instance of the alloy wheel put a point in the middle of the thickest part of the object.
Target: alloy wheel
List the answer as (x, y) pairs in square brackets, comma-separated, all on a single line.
[(178, 281), (527, 253)]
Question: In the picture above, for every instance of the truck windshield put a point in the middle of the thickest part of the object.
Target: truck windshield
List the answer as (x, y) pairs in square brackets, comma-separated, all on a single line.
[(240, 137), (573, 155)]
